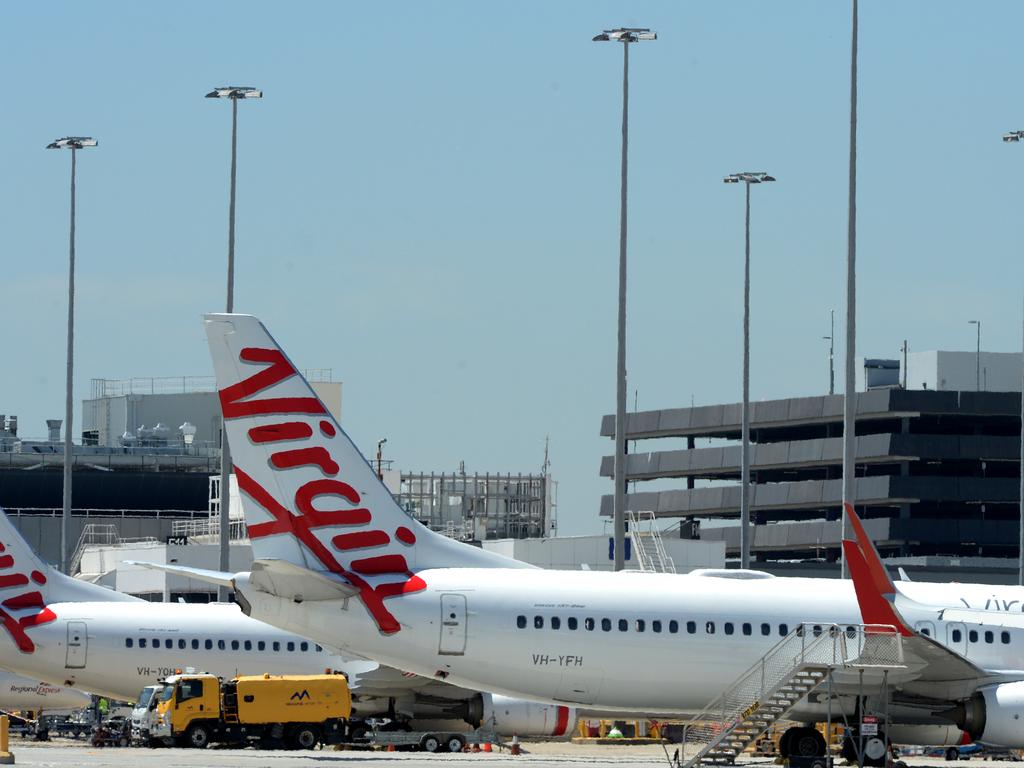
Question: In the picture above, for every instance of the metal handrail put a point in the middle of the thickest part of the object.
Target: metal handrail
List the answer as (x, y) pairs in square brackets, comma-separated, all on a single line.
[(809, 645)]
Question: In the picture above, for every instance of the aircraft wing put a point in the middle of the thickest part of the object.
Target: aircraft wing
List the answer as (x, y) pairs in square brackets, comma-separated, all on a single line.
[(933, 670)]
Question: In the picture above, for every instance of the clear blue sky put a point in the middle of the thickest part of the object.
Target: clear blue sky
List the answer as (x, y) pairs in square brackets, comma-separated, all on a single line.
[(428, 203)]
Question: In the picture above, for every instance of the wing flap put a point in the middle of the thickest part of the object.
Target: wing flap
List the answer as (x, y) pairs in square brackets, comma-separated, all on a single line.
[(199, 574)]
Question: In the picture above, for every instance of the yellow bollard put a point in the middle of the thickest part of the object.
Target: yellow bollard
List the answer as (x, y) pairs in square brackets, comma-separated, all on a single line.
[(6, 757)]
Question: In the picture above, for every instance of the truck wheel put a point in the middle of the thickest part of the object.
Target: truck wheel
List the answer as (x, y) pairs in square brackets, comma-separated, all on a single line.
[(197, 736), (430, 743), (455, 743), (952, 753), (305, 737)]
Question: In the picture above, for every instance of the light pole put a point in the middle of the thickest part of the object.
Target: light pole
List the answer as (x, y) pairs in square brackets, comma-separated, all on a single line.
[(747, 178), (380, 458), (831, 339), (1015, 136), (977, 356), (234, 93), (74, 143), (624, 36), (850, 386)]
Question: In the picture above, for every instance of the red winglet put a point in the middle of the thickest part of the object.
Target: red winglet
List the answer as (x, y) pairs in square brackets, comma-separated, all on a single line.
[(874, 608), (879, 576)]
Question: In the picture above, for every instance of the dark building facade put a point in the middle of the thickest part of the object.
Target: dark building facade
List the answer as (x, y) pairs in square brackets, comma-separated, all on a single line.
[(938, 477)]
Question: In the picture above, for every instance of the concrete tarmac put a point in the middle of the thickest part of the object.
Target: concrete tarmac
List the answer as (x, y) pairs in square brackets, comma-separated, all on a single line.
[(62, 754)]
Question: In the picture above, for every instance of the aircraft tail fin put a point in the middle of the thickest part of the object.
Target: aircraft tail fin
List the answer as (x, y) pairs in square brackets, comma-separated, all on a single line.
[(309, 496), (28, 586)]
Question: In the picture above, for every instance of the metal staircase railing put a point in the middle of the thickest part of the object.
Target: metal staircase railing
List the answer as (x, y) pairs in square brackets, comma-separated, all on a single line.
[(651, 556), (763, 694)]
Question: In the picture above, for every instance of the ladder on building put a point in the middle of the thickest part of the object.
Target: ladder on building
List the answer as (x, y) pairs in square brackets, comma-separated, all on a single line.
[(648, 545), (803, 660)]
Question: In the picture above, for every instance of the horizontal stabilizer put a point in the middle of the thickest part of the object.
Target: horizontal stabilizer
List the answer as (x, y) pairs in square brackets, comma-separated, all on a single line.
[(293, 582), (200, 574)]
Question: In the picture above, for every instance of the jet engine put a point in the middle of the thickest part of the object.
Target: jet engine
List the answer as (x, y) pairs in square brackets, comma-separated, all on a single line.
[(926, 735), (508, 716), (994, 715)]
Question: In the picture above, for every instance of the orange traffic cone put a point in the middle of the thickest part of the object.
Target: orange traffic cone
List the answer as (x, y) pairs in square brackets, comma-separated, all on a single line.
[(391, 748), (514, 749), (475, 748), (486, 747)]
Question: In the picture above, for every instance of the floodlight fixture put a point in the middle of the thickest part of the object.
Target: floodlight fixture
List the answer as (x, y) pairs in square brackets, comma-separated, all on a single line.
[(748, 177), (73, 142), (625, 35), (235, 92)]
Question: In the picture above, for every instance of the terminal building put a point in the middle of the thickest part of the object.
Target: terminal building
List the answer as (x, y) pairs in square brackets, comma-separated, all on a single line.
[(937, 470)]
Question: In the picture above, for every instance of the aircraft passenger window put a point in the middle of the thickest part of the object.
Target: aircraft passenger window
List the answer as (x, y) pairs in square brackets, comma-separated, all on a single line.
[(956, 635), (291, 646), (521, 622), (556, 622), (989, 637), (783, 630), (319, 648), (142, 642), (728, 628), (747, 629), (128, 643), (221, 645), (817, 630), (640, 624), (156, 642), (851, 632), (655, 626), (589, 624), (606, 625), (538, 622), (926, 632), (304, 646), (766, 629), (673, 626), (1005, 637), (195, 645), (572, 622), (276, 646), (234, 645), (709, 628), (691, 627), (181, 643), (261, 645), (800, 630), (208, 644), (972, 636), (623, 625), (248, 645)]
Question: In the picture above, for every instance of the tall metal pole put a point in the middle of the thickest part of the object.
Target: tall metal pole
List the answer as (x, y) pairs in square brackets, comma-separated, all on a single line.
[(65, 523), (832, 352), (745, 419), (850, 397), (225, 450), (977, 360), (619, 511), (1020, 555)]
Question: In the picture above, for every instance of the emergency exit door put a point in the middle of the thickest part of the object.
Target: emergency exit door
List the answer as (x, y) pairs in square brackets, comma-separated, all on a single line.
[(78, 645), (453, 625)]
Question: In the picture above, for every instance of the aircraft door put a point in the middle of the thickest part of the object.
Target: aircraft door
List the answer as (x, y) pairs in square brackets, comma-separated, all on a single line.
[(926, 628), (78, 645), (453, 625), (956, 637)]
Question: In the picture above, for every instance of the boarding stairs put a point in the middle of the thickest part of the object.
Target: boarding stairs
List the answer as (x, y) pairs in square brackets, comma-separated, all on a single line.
[(648, 545), (802, 661)]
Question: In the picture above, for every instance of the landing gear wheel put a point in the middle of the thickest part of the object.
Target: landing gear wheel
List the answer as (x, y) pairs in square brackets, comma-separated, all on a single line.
[(802, 742), (455, 744), (952, 753), (305, 737), (197, 736), (430, 743)]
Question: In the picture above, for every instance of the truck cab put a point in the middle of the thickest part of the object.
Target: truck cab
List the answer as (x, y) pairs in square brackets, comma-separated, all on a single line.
[(185, 706)]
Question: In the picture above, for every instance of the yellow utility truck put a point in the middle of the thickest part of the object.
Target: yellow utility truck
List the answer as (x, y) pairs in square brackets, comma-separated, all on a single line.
[(271, 711)]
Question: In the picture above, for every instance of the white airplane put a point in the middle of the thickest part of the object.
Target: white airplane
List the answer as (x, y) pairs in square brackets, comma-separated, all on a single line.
[(337, 559), (71, 633), (22, 694)]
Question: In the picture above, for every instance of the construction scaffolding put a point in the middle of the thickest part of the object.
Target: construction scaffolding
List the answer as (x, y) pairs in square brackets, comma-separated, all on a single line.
[(481, 506)]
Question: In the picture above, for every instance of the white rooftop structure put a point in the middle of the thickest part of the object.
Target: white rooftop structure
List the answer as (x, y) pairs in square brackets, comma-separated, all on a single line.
[(947, 371)]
